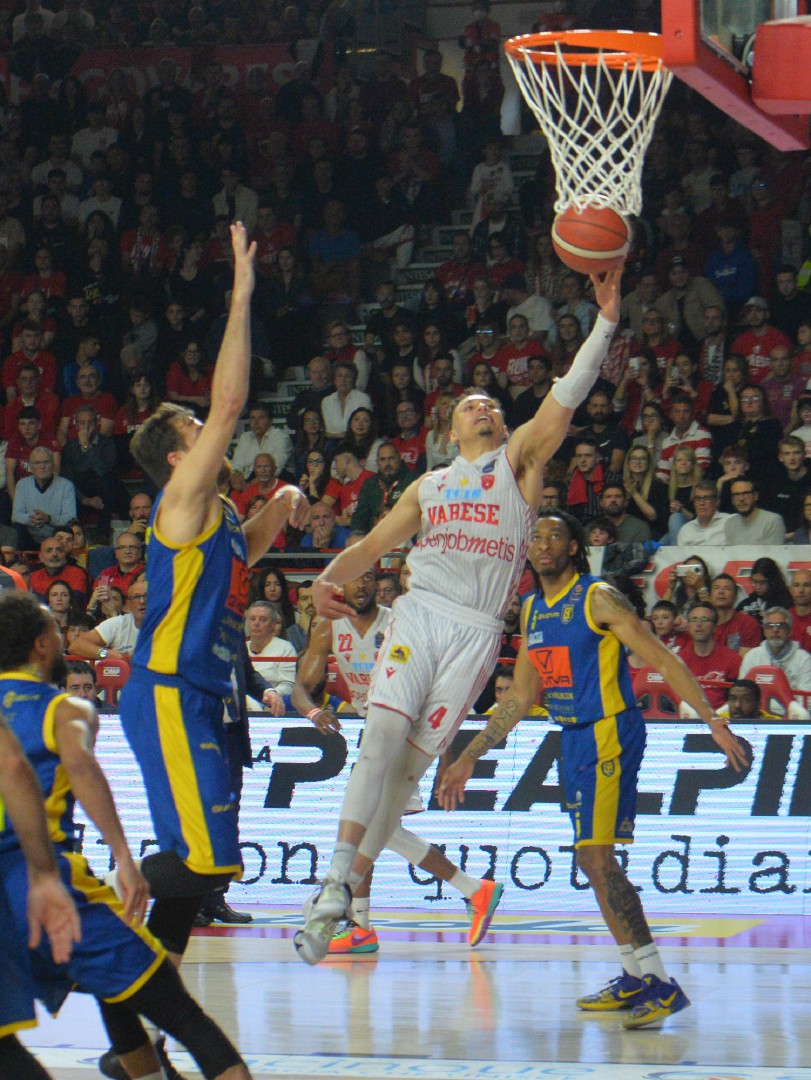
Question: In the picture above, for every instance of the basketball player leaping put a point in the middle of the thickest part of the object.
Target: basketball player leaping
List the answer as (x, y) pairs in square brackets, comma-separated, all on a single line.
[(354, 642), (474, 520)]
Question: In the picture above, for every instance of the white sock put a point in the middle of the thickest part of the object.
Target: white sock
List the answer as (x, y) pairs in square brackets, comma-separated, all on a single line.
[(360, 911), (343, 855), (629, 961), (465, 884), (650, 962)]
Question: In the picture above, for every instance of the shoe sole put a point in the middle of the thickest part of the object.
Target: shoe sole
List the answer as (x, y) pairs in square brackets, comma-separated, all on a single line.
[(484, 926), (310, 947), (631, 1023)]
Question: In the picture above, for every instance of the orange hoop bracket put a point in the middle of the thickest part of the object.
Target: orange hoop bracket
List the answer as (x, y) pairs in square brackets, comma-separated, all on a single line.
[(615, 48)]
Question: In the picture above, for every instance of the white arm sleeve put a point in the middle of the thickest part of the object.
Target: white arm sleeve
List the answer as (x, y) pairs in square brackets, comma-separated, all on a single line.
[(570, 390)]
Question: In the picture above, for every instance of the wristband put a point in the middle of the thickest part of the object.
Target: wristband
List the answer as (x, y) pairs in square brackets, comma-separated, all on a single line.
[(312, 713)]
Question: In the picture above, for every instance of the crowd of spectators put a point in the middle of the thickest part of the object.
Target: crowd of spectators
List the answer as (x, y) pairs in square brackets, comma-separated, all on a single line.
[(114, 276)]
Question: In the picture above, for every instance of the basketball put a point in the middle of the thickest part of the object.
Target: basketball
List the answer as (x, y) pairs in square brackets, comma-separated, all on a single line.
[(591, 240)]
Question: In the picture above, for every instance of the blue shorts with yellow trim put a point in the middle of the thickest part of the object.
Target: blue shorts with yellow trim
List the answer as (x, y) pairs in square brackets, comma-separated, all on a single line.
[(599, 769), (16, 992), (178, 737), (112, 960)]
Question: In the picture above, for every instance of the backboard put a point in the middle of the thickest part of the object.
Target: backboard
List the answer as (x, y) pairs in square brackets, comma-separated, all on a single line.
[(749, 58)]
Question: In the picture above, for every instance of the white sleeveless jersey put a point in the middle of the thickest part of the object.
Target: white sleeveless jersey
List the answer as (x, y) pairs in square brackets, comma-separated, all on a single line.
[(472, 545), (356, 655)]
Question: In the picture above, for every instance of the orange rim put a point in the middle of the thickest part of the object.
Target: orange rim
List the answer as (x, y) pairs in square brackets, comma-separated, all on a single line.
[(614, 48)]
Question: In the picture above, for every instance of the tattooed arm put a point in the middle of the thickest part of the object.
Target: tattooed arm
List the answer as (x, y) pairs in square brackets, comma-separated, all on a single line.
[(610, 610), (515, 705)]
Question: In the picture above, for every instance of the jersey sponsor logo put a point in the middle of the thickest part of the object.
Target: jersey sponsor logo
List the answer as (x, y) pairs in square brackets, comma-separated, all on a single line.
[(399, 654), (481, 513), (568, 614), (474, 545), (535, 639), (389, 672), (12, 698), (463, 492), (608, 768), (379, 639), (553, 664)]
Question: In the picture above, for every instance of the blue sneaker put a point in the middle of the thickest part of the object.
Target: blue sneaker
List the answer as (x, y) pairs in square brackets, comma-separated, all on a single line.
[(659, 1000), (621, 993)]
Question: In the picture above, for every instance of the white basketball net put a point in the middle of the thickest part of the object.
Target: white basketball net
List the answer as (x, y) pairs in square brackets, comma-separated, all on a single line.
[(598, 121)]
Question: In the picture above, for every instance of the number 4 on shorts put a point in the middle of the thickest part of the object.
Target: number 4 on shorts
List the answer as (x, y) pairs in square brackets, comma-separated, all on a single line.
[(436, 717)]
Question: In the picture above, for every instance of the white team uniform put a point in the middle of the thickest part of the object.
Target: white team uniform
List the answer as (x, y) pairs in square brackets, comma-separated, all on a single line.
[(445, 632), (355, 656)]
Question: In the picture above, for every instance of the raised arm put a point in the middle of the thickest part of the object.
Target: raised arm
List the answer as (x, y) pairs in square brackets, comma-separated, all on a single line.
[(533, 444), (185, 510), (515, 705), (287, 506), (611, 610), (393, 531), (73, 734)]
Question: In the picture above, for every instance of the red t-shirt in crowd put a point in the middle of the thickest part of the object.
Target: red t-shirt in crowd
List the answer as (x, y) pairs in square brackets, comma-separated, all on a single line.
[(801, 629), (104, 404), (722, 665), (346, 495), (45, 362), (757, 349), (112, 575), (411, 449), (178, 382), (49, 407), (741, 632)]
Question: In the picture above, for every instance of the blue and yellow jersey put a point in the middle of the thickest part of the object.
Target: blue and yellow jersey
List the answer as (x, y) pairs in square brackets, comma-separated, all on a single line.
[(28, 705), (584, 669), (196, 604)]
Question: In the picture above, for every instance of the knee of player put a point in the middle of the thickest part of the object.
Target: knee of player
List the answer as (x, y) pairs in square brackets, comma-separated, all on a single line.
[(595, 860)]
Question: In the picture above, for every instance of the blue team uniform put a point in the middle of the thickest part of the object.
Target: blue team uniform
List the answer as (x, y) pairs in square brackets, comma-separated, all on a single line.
[(587, 689), (172, 705), (113, 959)]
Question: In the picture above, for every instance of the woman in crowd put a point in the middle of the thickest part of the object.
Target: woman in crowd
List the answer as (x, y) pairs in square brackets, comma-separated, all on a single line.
[(401, 388), (361, 435), (684, 475), (286, 300), (759, 433), (60, 602), (316, 476), (687, 582), (187, 380), (191, 285), (483, 377), (568, 340), (724, 407), (769, 589), (271, 584), (653, 429), (648, 497), (310, 438), (640, 385), (434, 345), (439, 450)]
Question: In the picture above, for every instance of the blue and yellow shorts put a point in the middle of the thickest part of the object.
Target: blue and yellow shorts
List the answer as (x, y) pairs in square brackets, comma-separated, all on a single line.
[(178, 737), (599, 770), (112, 960)]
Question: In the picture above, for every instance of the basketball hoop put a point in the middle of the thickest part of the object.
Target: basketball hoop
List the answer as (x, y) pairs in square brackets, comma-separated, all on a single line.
[(596, 95)]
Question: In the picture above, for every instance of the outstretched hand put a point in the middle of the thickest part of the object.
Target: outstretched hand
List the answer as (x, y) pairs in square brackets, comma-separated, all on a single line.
[(607, 292), (244, 257)]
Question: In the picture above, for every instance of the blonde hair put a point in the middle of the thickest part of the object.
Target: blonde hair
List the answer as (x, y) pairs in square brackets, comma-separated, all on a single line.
[(696, 475), (650, 473), (436, 419)]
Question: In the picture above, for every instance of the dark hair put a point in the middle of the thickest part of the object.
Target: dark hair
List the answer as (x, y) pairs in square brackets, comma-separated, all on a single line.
[(22, 620), (580, 559), (746, 684), (364, 445), (777, 591), (504, 671), (703, 604), (159, 436), (80, 667), (665, 605), (256, 593)]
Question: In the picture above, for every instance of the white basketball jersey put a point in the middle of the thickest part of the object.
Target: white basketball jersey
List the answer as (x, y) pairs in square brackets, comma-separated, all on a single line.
[(472, 545), (356, 655)]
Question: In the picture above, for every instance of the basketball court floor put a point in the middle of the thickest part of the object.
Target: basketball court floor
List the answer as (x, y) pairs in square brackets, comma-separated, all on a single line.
[(429, 1008)]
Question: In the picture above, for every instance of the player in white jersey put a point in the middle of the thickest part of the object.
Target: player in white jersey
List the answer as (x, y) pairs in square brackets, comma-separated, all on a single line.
[(474, 520), (354, 641)]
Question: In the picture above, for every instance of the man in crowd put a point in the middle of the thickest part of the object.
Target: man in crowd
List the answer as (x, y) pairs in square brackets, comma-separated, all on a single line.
[(115, 638), (299, 634), (326, 534), (22, 444), (128, 565), (337, 407), (750, 525), (707, 528), (539, 373), (139, 511), (42, 500), (756, 343), (787, 494), (381, 492), (614, 504), (343, 493), (800, 610), (319, 376), (778, 650), (706, 659), (588, 480), (80, 680), (55, 565), (744, 702), (259, 438), (89, 460), (410, 439), (734, 629), (686, 432), (264, 639)]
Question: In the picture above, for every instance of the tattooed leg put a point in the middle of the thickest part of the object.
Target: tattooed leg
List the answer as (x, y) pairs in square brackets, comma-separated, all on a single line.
[(618, 899)]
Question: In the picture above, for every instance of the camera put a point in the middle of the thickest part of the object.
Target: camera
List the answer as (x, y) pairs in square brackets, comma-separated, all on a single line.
[(687, 568), (633, 365)]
